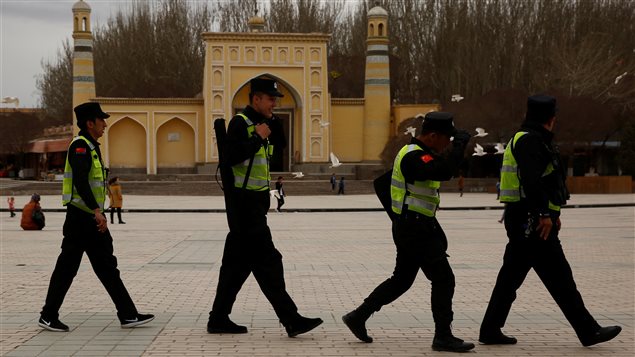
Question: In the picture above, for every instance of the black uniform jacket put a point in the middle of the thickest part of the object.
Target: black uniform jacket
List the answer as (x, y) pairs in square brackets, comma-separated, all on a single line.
[(240, 146), (533, 152), (81, 162), (251, 206)]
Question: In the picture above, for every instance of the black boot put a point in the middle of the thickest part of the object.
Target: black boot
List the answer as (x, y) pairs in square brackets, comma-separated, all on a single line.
[(356, 322), (496, 337), (223, 324), (447, 342), (602, 335), (301, 325)]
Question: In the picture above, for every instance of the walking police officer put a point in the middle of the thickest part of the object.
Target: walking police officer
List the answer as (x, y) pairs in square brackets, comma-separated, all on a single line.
[(421, 243), (251, 138), (85, 228), (533, 188)]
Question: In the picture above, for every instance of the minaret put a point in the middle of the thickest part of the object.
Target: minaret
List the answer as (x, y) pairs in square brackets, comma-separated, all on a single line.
[(376, 86), (83, 71)]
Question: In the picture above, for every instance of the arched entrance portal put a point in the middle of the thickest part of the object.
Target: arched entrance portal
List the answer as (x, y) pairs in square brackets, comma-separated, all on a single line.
[(289, 112), (127, 146)]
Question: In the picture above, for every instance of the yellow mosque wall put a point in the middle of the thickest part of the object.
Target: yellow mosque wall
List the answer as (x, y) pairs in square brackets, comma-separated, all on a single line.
[(170, 133), (347, 124)]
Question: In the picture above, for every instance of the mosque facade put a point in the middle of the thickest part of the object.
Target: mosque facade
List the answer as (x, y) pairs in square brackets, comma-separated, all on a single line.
[(176, 135)]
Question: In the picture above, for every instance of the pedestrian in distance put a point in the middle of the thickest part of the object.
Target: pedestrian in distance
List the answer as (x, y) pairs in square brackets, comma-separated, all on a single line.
[(32, 216), (249, 144), (11, 203), (418, 170), (281, 194), (533, 189), (116, 199), (85, 227), (341, 185), (461, 184), (333, 181)]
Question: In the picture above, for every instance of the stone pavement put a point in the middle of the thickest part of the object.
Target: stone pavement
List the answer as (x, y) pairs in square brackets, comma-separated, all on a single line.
[(170, 264)]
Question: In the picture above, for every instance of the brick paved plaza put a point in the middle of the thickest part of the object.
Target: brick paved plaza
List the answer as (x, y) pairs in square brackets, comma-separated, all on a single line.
[(170, 264)]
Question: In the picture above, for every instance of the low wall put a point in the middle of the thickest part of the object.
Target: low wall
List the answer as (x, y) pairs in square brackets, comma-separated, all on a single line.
[(600, 184)]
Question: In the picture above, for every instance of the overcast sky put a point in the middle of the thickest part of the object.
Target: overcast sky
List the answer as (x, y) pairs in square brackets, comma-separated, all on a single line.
[(32, 31)]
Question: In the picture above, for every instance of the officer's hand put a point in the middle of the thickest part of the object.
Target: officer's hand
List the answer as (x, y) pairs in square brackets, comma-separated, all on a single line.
[(461, 137), (558, 224), (544, 227), (263, 130), (101, 221)]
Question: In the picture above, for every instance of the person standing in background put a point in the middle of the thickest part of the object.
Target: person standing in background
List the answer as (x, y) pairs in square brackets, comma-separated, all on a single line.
[(333, 182), (116, 199), (340, 191), (11, 202)]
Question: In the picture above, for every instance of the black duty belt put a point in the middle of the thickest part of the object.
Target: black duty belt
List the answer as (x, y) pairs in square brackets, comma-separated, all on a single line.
[(414, 216)]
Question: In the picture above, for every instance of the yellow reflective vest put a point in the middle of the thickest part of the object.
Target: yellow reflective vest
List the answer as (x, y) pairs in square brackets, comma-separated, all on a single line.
[(96, 180), (510, 189), (420, 196), (259, 176)]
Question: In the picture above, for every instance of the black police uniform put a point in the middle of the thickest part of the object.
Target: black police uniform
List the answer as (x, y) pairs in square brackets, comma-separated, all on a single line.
[(526, 250), (249, 246), (81, 235), (421, 242)]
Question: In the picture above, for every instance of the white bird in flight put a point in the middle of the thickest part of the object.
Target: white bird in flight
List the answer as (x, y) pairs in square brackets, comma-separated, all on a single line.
[(14, 100), (500, 148), (324, 124), (410, 130), (297, 174), (619, 78), (457, 98), (478, 151), (480, 132), (274, 193), (335, 162)]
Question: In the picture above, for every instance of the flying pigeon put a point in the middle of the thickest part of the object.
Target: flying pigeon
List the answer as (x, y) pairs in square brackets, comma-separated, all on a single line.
[(480, 132), (274, 193), (324, 124), (410, 130), (14, 100), (500, 148), (297, 174), (619, 78), (457, 98), (478, 151), (335, 162)]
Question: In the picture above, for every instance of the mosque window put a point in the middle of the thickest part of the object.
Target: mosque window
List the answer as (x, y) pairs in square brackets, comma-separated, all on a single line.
[(381, 29), (372, 30), (84, 24)]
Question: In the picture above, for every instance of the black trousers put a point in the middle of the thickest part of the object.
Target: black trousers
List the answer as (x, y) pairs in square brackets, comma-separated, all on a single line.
[(280, 202), (112, 214), (547, 259), (81, 235), (421, 244), (249, 249)]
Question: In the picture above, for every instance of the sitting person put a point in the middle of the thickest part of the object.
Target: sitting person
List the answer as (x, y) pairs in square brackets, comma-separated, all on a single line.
[(32, 215)]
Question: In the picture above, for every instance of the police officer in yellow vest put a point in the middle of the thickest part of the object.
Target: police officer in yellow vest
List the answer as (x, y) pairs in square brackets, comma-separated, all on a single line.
[(251, 139), (533, 188), (85, 228), (421, 243)]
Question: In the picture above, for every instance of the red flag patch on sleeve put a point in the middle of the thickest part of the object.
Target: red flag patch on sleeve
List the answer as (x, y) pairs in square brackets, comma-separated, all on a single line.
[(427, 158), (80, 150)]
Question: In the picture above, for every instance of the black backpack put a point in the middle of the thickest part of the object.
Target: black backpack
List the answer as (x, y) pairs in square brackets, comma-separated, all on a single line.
[(382, 190)]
